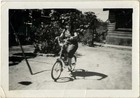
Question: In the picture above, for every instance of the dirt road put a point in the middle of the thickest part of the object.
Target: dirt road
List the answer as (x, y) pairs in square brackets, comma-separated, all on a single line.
[(97, 68)]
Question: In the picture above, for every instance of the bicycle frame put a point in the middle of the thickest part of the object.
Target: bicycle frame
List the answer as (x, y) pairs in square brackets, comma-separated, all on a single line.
[(55, 74), (62, 46)]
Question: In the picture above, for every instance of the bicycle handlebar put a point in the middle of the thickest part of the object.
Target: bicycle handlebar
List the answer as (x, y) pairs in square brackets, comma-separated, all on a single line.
[(61, 43)]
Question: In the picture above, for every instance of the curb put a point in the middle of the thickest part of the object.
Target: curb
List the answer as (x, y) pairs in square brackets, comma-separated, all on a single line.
[(114, 46), (117, 46)]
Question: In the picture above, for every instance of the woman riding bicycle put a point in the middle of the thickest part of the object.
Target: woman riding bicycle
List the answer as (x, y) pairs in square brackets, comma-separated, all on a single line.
[(72, 43)]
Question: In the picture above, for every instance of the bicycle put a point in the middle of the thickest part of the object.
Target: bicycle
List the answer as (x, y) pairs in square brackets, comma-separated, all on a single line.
[(61, 62)]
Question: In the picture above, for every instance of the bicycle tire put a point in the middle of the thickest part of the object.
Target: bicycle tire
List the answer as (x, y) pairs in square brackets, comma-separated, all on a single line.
[(58, 63)]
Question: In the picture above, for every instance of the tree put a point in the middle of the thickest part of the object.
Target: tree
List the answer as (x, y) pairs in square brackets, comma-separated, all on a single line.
[(43, 25), (89, 23)]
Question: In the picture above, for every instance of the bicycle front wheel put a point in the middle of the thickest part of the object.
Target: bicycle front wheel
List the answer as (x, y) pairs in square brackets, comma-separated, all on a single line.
[(56, 70)]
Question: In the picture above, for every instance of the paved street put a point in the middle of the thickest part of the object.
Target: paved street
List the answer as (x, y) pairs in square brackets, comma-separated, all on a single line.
[(97, 68)]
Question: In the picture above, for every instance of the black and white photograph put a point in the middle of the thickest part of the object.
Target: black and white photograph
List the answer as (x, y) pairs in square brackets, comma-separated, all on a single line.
[(70, 48)]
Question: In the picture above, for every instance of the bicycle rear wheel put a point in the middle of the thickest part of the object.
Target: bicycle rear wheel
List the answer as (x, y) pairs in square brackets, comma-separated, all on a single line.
[(56, 70)]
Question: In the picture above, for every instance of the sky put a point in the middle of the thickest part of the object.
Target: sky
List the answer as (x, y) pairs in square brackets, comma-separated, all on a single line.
[(103, 15)]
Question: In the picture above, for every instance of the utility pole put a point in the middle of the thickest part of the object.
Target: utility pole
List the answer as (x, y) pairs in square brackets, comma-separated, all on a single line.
[(22, 50)]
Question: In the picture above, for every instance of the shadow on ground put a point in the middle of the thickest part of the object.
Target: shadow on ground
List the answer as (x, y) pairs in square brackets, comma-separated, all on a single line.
[(40, 72), (64, 79), (78, 55), (81, 73), (18, 57), (25, 83)]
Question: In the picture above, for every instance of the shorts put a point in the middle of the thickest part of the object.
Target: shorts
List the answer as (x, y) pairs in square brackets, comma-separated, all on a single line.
[(71, 49)]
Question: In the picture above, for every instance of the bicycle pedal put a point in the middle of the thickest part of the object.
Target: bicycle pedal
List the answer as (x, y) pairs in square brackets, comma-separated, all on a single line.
[(69, 70)]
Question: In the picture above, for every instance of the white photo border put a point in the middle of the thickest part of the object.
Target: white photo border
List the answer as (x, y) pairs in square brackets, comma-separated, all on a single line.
[(69, 93)]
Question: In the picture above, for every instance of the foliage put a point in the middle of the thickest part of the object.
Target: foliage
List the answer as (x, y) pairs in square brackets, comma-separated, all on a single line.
[(42, 26)]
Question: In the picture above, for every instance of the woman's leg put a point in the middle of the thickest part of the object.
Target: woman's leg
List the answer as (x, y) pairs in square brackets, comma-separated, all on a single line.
[(69, 62), (71, 50)]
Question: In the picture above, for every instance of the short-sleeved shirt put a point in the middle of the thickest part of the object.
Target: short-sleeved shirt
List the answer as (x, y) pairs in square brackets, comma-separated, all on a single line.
[(67, 34)]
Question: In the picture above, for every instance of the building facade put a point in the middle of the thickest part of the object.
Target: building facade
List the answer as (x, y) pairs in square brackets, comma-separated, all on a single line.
[(119, 27)]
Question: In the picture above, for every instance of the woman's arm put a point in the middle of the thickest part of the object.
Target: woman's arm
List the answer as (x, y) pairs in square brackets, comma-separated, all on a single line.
[(75, 36), (62, 35)]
